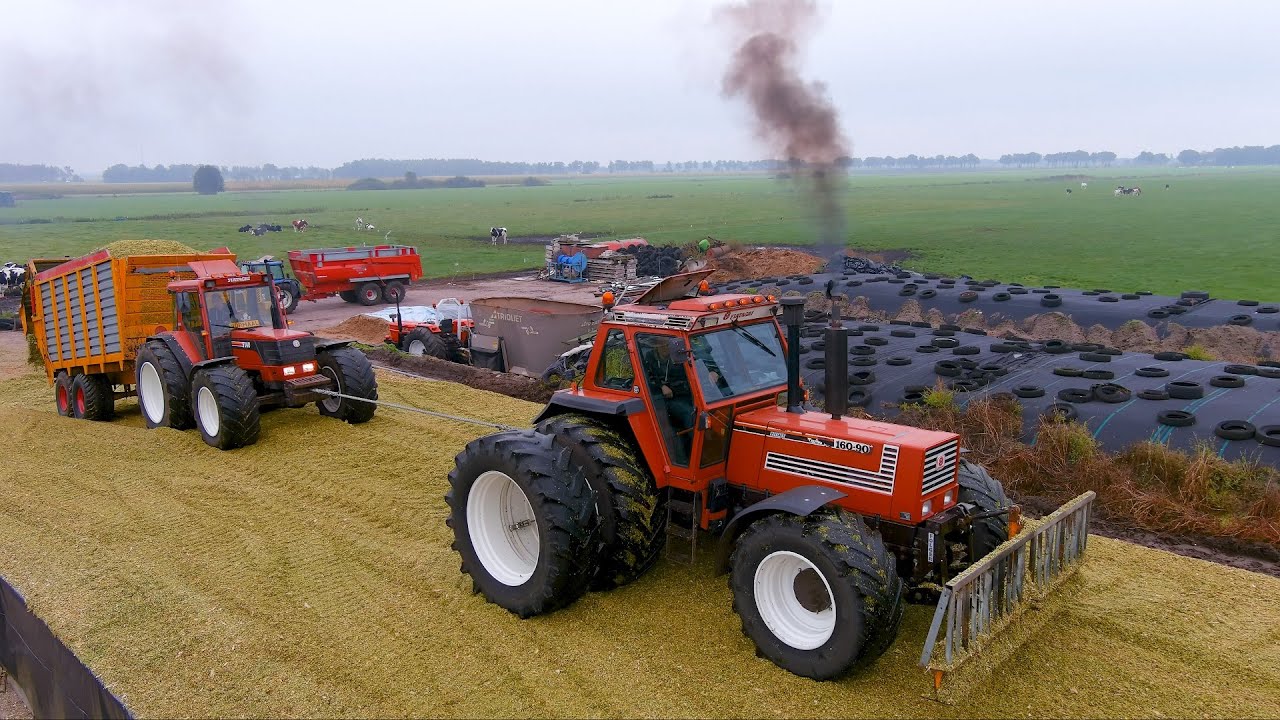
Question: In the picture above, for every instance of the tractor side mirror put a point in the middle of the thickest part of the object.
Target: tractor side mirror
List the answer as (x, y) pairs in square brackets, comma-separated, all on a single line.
[(182, 302), (679, 352)]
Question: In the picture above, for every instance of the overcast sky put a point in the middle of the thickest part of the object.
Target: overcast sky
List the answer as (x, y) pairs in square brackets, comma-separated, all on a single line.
[(320, 82)]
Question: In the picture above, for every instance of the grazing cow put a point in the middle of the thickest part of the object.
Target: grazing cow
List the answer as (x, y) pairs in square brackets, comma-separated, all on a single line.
[(1084, 185), (1166, 186), (362, 225), (497, 233), (1122, 190), (300, 225), (245, 228), (1068, 191)]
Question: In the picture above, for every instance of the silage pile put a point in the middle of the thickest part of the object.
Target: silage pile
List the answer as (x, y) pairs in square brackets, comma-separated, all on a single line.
[(311, 574), (364, 329), (124, 248)]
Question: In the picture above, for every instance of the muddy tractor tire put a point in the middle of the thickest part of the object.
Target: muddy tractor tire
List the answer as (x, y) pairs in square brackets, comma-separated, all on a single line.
[(163, 391), (347, 295), (352, 374), (369, 294), (818, 595), (978, 488), (91, 397), (62, 393), (393, 293), (226, 406), (632, 511), (524, 522), (421, 341)]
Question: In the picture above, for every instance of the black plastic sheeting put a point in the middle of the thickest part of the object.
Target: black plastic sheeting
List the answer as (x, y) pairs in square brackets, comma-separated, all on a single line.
[(56, 683), (898, 357), (1109, 307)]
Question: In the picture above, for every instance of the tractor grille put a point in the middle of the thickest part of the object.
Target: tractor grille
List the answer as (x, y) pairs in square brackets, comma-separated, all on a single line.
[(940, 466), (284, 353), (881, 481)]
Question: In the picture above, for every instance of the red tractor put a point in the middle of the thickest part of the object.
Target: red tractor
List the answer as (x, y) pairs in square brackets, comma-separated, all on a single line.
[(825, 523)]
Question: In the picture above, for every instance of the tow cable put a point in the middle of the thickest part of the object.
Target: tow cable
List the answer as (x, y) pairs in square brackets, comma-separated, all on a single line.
[(409, 408)]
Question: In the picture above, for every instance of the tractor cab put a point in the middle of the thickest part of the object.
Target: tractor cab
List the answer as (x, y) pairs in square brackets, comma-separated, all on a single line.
[(265, 265), (226, 312)]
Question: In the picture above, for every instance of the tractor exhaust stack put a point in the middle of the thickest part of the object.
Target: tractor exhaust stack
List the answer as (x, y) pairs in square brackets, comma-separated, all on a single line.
[(837, 375), (793, 317)]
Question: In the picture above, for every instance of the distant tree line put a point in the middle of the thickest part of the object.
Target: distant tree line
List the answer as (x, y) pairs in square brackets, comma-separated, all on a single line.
[(411, 181), (1075, 158), (455, 167), (1246, 155), (122, 173), (12, 173)]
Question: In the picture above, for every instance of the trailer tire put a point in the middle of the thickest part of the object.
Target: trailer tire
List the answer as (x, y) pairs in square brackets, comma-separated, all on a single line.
[(631, 509), (62, 393), (978, 488), (784, 566), (368, 294), (522, 473), (91, 397), (347, 295), (164, 395), (393, 293), (421, 341), (351, 372), (225, 405)]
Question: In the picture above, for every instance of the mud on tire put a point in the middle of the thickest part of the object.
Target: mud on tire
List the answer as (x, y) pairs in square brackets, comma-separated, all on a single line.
[(353, 374), (543, 560), (632, 511), (977, 487), (828, 562)]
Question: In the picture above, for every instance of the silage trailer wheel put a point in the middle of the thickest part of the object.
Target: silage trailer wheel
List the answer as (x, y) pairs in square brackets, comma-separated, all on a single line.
[(352, 374), (226, 406), (421, 341), (524, 522), (164, 394), (818, 595), (62, 393), (91, 397), (978, 488), (632, 511)]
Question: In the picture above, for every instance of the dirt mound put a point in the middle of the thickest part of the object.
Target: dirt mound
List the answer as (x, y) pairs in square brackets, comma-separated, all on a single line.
[(1225, 342), (123, 248), (1135, 335), (762, 262), (516, 386), (1053, 326), (361, 328)]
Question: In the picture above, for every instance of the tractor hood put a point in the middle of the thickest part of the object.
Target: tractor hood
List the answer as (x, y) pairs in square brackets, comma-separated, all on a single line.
[(275, 347), (819, 429)]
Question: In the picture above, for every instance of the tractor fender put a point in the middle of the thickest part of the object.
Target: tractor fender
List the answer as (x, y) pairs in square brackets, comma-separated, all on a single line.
[(322, 345), (174, 347), (565, 401), (797, 501), (211, 362)]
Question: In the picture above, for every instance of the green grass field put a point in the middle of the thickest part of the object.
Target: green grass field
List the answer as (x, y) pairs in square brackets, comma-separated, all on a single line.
[(1214, 230)]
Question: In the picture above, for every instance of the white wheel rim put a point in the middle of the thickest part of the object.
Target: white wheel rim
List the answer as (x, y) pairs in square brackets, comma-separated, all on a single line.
[(503, 529), (332, 404), (151, 392), (778, 580), (207, 408), (416, 347)]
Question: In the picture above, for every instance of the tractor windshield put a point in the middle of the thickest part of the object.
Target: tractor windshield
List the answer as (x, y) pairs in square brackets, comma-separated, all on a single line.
[(738, 360), (241, 309)]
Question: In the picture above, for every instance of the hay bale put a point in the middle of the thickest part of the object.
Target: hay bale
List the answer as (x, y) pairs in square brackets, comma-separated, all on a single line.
[(124, 248)]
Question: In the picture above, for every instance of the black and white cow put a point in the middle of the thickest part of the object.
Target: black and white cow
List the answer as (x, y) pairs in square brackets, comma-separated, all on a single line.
[(497, 233)]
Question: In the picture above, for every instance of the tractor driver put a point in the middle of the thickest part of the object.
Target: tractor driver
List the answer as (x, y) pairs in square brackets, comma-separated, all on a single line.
[(669, 380)]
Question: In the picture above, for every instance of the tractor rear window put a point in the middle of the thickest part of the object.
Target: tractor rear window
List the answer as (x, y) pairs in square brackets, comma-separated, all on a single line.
[(738, 360)]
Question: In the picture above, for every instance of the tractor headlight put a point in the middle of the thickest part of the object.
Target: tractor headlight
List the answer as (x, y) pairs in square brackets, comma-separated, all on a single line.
[(946, 499), (926, 509), (290, 370), (311, 367)]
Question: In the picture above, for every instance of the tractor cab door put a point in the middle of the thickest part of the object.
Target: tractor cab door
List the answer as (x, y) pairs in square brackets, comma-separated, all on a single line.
[(189, 319), (665, 373)]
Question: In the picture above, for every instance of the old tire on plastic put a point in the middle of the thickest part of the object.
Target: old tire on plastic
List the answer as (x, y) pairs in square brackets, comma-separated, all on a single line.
[(818, 595), (368, 294), (978, 488), (62, 393), (225, 405), (352, 374), (632, 511), (91, 397), (524, 522), (393, 293), (163, 391), (421, 341)]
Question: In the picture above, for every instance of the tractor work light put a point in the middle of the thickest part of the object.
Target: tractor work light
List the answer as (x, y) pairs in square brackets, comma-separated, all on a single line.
[(927, 509), (311, 367), (290, 370)]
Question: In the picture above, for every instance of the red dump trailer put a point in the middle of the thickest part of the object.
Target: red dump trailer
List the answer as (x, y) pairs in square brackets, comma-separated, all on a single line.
[(367, 275)]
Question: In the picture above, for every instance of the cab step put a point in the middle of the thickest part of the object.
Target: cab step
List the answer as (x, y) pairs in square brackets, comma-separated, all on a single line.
[(683, 511)]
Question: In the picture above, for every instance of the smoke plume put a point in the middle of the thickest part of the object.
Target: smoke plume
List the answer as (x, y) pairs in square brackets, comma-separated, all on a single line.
[(793, 117)]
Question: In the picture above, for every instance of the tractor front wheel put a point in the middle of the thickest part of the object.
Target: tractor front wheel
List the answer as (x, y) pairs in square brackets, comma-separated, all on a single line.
[(163, 392), (979, 489), (352, 374), (62, 393), (523, 521), (368, 293), (226, 406), (818, 595), (288, 297), (421, 341), (632, 511), (91, 397)]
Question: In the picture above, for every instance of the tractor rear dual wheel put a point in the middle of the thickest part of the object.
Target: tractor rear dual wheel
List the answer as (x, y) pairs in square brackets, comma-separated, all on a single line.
[(226, 406), (632, 511), (352, 375), (163, 391), (818, 595), (524, 522)]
